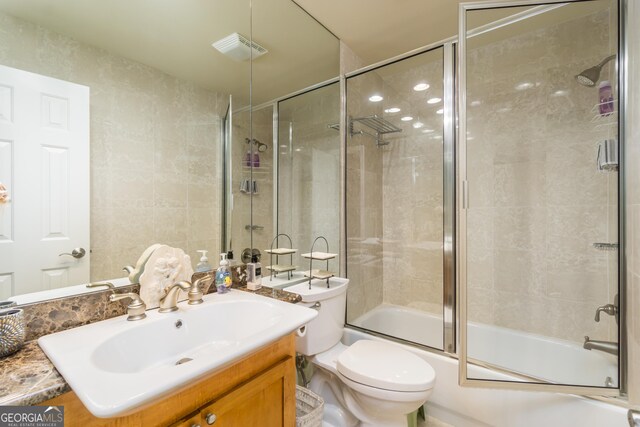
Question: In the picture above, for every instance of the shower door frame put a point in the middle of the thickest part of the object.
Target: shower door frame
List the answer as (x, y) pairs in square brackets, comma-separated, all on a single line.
[(463, 201), (449, 344)]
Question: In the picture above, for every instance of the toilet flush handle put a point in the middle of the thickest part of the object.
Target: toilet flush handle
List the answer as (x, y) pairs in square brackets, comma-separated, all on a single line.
[(316, 306)]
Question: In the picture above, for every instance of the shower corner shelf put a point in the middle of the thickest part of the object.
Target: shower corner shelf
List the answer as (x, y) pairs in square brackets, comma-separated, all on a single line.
[(601, 121)]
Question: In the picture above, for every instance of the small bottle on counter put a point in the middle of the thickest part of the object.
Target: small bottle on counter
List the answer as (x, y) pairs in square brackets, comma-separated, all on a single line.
[(254, 274), (203, 265), (223, 275)]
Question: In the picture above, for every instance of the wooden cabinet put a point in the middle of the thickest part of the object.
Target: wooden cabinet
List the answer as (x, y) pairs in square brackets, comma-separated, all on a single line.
[(261, 401), (256, 391)]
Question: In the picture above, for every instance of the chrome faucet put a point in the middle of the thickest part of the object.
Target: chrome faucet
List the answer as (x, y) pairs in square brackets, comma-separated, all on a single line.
[(136, 308), (606, 346), (169, 302)]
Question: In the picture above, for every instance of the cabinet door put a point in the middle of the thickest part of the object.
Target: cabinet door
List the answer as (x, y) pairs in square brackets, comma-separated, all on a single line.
[(193, 420), (267, 400)]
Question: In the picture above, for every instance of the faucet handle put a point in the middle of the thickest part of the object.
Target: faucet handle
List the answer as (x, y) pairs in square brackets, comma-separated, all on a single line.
[(136, 308), (194, 294), (610, 309)]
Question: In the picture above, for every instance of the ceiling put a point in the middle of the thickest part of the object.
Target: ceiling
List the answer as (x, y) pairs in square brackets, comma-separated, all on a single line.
[(175, 36), (379, 29)]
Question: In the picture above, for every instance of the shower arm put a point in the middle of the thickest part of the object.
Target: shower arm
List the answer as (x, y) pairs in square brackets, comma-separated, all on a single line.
[(605, 60)]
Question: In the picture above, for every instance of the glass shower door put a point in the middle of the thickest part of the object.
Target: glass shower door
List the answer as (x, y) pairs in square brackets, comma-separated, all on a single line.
[(539, 168), (395, 198)]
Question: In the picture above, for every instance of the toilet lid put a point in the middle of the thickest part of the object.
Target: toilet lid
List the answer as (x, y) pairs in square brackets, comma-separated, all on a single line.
[(386, 366)]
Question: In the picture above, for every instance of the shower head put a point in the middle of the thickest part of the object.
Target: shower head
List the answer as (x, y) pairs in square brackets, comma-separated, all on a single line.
[(590, 76)]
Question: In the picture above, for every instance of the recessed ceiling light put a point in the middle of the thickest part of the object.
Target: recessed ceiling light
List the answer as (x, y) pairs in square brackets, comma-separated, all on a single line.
[(283, 146), (392, 110), (406, 118), (433, 100), (427, 130), (560, 93), (440, 111), (298, 149), (475, 103), (524, 86), (420, 87), (375, 98), (418, 125)]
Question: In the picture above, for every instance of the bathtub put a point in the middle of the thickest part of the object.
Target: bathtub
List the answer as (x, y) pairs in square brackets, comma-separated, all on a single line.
[(464, 406)]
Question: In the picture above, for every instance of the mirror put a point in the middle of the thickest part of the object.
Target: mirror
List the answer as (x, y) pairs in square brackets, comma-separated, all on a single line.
[(541, 227), (152, 102), (302, 53)]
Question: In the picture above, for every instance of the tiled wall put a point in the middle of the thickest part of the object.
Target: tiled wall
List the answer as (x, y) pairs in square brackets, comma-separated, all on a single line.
[(262, 202), (154, 147), (309, 173), (633, 203), (537, 202), (412, 167), (364, 189)]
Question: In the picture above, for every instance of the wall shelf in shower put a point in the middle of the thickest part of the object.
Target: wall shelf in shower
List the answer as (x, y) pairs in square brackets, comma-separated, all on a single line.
[(604, 121), (377, 124), (605, 246)]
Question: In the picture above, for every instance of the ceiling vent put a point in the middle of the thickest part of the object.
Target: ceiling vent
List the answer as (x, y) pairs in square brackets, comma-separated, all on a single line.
[(239, 47)]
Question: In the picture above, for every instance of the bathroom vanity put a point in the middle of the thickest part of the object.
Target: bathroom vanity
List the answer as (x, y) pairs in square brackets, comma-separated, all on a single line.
[(257, 390)]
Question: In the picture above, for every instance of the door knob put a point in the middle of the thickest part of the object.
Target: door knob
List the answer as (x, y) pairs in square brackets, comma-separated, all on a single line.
[(211, 418), (77, 253)]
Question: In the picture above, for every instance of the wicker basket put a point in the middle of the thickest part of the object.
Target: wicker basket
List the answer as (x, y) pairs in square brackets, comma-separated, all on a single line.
[(309, 408)]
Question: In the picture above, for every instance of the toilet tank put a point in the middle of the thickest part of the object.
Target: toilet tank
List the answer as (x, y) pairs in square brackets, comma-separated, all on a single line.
[(325, 330)]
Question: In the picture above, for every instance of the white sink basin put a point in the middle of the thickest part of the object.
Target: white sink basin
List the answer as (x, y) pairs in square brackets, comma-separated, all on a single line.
[(115, 366)]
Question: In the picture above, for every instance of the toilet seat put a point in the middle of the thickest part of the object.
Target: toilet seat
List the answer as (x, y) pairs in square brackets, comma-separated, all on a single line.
[(365, 367), (385, 366), (385, 395)]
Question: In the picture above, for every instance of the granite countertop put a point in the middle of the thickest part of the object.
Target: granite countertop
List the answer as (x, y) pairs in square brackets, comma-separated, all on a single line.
[(278, 294), (28, 377)]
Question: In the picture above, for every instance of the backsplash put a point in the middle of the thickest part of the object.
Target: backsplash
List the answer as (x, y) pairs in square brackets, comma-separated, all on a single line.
[(48, 317)]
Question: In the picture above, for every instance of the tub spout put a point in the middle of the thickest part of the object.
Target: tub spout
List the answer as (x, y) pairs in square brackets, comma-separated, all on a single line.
[(606, 346)]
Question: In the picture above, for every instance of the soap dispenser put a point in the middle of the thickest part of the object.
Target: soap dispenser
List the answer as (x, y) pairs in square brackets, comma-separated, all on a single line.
[(223, 275), (203, 265)]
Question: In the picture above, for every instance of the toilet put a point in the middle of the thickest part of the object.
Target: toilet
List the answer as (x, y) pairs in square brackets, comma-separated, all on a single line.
[(370, 383)]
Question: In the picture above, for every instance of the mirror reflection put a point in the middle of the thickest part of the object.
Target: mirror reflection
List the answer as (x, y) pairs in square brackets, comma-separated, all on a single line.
[(128, 118)]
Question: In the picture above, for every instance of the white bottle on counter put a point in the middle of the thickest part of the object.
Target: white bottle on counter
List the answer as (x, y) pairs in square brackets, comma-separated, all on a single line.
[(254, 274)]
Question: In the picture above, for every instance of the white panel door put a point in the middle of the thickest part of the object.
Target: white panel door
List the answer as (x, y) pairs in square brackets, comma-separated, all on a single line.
[(44, 164)]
